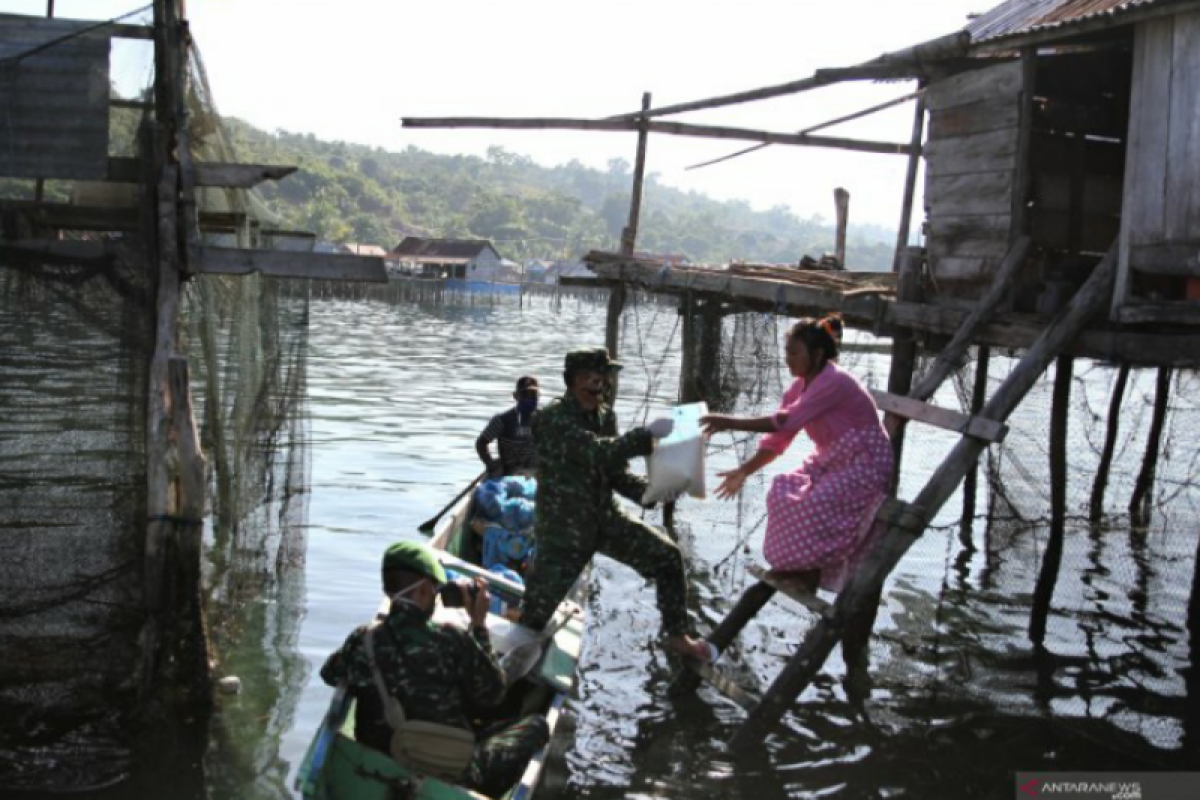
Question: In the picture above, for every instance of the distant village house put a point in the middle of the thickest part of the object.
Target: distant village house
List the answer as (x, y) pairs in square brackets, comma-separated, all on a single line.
[(461, 259)]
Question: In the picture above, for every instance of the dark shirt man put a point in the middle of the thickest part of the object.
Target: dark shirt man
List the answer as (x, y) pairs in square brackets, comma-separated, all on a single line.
[(581, 462), (435, 671), (512, 432)]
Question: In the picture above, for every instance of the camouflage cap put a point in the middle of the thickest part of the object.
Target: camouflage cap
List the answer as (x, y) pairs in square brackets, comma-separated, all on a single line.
[(595, 359), (414, 557)]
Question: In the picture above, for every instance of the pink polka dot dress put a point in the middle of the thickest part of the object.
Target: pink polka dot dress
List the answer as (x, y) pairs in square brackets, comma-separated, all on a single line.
[(820, 516)]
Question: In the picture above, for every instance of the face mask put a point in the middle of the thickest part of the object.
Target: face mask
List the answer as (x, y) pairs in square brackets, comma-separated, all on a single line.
[(401, 598), (526, 406)]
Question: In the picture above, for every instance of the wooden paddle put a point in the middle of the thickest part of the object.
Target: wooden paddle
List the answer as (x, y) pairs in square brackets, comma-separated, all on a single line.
[(517, 662), (426, 527)]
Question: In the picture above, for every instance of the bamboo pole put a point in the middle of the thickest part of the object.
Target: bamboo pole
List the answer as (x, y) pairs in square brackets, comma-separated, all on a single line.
[(813, 129), (672, 128), (1092, 297), (910, 179), (1043, 592), (1100, 483), (1139, 503)]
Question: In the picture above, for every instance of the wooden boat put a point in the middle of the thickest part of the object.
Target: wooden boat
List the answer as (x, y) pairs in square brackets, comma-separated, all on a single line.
[(336, 767)]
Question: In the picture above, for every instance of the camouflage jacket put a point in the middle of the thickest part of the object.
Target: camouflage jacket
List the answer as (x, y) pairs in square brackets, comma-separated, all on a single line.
[(436, 672), (581, 462)]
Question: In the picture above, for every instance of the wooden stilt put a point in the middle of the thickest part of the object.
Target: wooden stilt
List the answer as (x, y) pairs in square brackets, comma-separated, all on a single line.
[(689, 389), (1093, 296), (1139, 503), (709, 361), (1100, 483), (1043, 592), (841, 204), (971, 481), (904, 348)]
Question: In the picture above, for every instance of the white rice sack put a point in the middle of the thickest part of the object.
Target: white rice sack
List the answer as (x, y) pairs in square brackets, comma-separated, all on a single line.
[(677, 464)]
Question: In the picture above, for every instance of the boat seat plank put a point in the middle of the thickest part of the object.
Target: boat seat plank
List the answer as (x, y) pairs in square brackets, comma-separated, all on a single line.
[(989, 430)]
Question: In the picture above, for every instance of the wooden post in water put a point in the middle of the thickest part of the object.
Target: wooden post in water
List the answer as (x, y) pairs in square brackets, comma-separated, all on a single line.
[(1092, 297), (1060, 413), (971, 481), (841, 204), (1100, 483), (616, 297), (1139, 503), (904, 349)]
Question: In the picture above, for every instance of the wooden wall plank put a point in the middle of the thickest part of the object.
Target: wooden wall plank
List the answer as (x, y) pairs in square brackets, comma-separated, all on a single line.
[(1181, 212), (970, 87), (1176, 258), (963, 247), (982, 152), (983, 193), (984, 116), (1145, 198)]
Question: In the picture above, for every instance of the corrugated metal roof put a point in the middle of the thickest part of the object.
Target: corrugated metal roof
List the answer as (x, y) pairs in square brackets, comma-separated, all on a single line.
[(1025, 16)]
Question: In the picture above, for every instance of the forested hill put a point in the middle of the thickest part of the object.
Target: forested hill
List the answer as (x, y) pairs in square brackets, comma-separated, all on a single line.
[(353, 193)]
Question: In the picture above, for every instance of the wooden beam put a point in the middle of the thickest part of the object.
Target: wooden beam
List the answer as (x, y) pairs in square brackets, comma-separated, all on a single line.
[(1019, 331), (232, 176), (988, 430), (1160, 314), (774, 294), (654, 126), (1176, 258), (60, 250), (948, 359), (792, 586), (905, 63), (286, 264)]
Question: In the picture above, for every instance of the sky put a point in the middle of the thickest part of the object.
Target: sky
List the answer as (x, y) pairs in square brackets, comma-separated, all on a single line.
[(349, 70)]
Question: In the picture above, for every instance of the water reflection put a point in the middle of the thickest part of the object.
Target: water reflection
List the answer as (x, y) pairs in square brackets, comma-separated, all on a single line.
[(957, 701)]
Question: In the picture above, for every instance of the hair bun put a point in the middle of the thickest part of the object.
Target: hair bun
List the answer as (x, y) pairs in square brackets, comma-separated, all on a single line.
[(832, 325)]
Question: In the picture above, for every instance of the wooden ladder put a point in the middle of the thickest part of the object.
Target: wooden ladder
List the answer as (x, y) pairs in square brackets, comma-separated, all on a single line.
[(905, 522)]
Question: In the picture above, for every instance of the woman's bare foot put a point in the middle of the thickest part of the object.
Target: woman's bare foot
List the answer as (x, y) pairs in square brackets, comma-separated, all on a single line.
[(695, 649)]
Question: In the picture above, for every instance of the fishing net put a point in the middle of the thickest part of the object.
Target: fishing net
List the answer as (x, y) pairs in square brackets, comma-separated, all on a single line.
[(953, 628), (76, 336)]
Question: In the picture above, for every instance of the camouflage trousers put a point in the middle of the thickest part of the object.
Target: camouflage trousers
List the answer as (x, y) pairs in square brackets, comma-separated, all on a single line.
[(650, 553), (502, 754)]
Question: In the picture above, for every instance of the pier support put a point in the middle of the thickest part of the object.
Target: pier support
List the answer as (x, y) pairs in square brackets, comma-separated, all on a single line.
[(1043, 592), (1139, 503), (1113, 425)]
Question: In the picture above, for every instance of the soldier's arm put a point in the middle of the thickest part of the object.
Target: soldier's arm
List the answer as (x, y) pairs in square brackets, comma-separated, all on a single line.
[(581, 446), (337, 667), (622, 480), (484, 678)]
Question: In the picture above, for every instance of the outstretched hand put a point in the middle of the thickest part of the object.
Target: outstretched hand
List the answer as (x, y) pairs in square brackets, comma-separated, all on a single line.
[(731, 483), (716, 423)]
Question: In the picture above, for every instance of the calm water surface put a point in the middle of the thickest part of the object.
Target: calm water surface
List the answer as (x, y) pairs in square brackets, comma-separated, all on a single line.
[(398, 394)]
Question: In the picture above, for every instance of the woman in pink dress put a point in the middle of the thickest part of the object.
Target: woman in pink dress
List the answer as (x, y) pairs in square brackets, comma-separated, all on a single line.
[(819, 516)]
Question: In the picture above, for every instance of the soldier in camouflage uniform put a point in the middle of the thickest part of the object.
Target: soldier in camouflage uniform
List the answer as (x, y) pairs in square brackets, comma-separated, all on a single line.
[(435, 671), (581, 462)]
